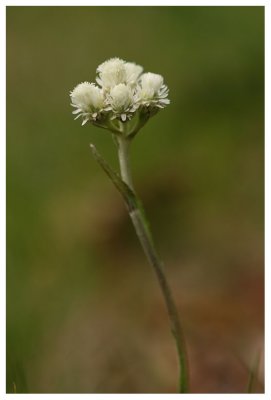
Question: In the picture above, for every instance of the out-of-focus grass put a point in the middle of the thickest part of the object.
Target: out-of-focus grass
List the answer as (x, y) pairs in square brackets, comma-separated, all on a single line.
[(75, 319)]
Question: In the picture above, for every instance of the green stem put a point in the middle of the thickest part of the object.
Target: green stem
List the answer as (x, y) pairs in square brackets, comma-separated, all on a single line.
[(145, 238), (253, 373), (123, 153)]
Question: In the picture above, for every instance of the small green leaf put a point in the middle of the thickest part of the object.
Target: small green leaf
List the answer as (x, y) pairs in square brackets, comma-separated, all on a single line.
[(127, 193)]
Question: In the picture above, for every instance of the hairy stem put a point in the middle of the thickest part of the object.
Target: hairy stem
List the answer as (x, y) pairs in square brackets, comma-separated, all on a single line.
[(145, 238)]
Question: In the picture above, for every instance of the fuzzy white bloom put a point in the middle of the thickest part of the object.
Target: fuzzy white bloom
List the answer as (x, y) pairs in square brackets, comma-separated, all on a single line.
[(121, 101), (152, 91), (151, 82), (86, 95), (88, 99), (111, 73), (123, 91), (132, 73), (115, 71)]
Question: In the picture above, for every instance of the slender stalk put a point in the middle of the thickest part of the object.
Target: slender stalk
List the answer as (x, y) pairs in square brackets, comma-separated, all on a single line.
[(253, 373), (145, 238), (123, 153)]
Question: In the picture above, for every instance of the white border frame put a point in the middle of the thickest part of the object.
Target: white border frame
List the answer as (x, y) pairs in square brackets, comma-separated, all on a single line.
[(3, 394)]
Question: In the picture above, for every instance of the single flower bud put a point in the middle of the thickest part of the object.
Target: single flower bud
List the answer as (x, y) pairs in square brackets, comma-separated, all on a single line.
[(133, 71), (111, 73), (152, 91), (88, 99), (121, 101)]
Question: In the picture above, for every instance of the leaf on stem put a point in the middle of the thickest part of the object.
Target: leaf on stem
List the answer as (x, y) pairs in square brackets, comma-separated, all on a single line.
[(127, 193)]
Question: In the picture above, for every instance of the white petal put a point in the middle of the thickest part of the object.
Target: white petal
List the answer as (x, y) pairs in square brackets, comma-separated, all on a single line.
[(77, 111), (99, 81)]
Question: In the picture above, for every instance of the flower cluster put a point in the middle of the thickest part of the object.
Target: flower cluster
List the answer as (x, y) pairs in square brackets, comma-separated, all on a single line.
[(121, 92)]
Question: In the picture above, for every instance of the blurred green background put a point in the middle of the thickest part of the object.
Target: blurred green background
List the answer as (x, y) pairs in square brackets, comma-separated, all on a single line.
[(84, 311)]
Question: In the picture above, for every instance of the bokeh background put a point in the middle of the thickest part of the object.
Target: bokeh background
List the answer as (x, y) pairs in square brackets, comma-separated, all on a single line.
[(84, 311)]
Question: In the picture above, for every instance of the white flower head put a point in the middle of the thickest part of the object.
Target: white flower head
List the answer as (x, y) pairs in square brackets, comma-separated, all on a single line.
[(111, 73), (123, 92), (133, 71), (88, 99), (121, 101), (151, 82), (152, 91)]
